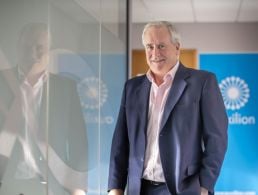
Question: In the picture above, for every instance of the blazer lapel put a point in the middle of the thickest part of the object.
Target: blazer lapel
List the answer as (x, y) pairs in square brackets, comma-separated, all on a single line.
[(44, 111), (175, 93), (142, 103)]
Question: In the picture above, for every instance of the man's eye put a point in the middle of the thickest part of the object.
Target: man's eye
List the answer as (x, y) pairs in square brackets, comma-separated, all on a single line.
[(149, 47), (161, 46)]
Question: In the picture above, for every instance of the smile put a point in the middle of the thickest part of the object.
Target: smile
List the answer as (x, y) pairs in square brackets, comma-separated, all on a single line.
[(158, 61)]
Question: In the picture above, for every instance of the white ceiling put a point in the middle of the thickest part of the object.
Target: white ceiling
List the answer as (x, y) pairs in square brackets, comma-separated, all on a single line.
[(195, 10)]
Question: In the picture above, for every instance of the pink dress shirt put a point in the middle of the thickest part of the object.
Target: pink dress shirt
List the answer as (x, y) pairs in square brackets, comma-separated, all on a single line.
[(158, 97)]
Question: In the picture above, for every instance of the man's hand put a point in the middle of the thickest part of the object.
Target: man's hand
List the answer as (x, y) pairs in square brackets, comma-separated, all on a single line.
[(116, 192), (204, 191), (78, 192)]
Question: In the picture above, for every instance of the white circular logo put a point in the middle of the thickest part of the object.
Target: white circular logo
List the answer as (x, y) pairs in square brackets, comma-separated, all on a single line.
[(93, 93), (235, 92)]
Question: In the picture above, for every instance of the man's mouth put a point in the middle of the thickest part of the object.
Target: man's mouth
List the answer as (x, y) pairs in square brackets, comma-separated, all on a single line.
[(158, 61)]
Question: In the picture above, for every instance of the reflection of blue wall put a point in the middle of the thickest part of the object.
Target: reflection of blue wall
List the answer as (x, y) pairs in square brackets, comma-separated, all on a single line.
[(240, 169), (106, 80)]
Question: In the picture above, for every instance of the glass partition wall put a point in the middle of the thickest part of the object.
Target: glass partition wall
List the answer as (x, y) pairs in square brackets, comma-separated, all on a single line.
[(62, 69)]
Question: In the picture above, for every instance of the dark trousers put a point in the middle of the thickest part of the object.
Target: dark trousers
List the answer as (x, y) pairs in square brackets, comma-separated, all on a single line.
[(149, 188)]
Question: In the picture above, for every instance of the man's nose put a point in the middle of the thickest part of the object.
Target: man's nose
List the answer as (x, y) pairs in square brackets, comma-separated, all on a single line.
[(156, 51)]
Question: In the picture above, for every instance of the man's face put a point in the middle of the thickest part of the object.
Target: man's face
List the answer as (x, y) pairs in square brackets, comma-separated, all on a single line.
[(34, 50), (161, 53)]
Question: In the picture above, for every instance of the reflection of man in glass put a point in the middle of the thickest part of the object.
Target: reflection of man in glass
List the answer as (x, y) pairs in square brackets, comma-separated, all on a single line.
[(42, 131)]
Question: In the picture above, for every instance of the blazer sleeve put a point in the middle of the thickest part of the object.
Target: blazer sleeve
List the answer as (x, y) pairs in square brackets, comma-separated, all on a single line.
[(215, 123), (118, 168)]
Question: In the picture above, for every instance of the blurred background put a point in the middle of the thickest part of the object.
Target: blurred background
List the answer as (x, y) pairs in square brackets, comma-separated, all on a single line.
[(97, 45)]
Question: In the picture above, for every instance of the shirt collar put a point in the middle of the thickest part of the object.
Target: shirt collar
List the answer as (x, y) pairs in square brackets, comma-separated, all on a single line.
[(42, 78)]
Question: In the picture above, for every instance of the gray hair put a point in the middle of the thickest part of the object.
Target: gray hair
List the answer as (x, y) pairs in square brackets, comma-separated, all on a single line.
[(175, 36)]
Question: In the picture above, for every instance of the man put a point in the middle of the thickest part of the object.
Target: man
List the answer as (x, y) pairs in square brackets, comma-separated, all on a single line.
[(171, 132), (41, 124)]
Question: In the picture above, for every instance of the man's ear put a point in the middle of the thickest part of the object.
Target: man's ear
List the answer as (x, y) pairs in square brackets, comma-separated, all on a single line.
[(177, 46)]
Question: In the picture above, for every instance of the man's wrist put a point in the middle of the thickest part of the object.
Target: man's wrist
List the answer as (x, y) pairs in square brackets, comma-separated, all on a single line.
[(116, 192), (204, 191)]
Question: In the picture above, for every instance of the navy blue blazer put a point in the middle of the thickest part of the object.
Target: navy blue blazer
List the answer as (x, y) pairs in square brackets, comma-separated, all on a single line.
[(192, 139)]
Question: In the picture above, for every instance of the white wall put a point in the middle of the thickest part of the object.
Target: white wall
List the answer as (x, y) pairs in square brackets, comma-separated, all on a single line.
[(211, 37)]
